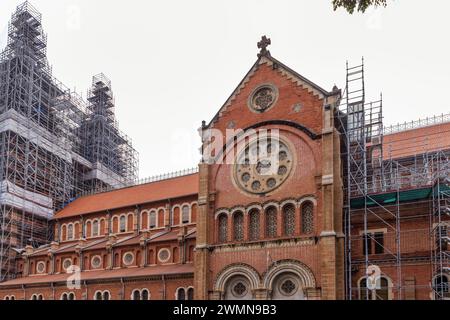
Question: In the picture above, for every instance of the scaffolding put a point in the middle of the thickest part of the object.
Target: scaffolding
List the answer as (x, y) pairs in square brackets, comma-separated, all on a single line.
[(377, 189), (53, 145)]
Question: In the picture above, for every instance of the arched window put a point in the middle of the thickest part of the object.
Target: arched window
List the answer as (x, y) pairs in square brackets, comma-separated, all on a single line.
[(130, 221), (136, 295), (190, 294), (185, 214), (68, 296), (152, 220), (381, 293), (144, 220), (181, 295), (271, 222), (63, 232), (441, 287), (307, 217), (98, 295), (289, 220), (223, 227), (123, 224), (145, 295), (106, 295), (95, 228), (254, 225), (238, 226), (70, 232), (88, 229)]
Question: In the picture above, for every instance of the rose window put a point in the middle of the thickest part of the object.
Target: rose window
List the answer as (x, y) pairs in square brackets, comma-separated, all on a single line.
[(288, 287), (263, 166), (263, 98)]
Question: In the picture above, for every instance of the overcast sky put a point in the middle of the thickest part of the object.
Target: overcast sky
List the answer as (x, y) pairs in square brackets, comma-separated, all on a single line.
[(174, 63)]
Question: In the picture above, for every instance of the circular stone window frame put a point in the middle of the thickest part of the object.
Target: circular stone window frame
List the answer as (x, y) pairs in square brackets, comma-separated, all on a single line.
[(269, 85), (129, 253), (99, 264), (291, 278), (168, 255), (234, 172), (64, 263), (40, 263), (235, 282)]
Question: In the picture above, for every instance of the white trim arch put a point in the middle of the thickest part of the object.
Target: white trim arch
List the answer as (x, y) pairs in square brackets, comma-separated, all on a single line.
[(289, 201), (252, 207), (68, 295), (102, 294), (298, 268), (307, 198), (37, 296), (141, 292), (271, 204), (237, 270), (221, 211)]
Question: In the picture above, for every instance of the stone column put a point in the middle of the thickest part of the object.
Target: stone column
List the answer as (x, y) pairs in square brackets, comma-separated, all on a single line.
[(201, 263), (331, 253)]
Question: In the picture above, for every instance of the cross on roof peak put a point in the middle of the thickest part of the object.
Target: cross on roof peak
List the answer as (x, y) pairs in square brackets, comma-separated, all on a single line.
[(263, 44)]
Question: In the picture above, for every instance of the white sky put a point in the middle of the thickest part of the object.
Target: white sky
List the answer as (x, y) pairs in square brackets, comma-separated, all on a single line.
[(174, 63)]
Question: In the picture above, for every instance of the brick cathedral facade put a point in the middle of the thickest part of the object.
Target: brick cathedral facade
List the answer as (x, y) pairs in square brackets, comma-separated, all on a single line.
[(237, 229)]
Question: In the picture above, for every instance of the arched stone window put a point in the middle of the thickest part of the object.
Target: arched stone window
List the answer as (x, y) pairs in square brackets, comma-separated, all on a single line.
[(271, 222), (289, 220), (185, 215), (136, 295), (145, 294), (190, 294), (70, 232), (63, 232), (95, 229), (181, 294), (254, 228), (223, 227), (152, 220), (123, 224), (238, 226), (144, 220), (307, 217), (106, 295)]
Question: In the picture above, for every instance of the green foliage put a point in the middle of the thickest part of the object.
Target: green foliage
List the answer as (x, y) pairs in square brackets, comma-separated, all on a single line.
[(359, 5)]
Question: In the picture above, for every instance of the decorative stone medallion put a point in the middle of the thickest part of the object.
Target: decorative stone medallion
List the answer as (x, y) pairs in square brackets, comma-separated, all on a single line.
[(263, 98), (164, 255)]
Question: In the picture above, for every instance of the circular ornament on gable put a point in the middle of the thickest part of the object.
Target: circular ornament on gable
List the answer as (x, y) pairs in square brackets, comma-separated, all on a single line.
[(263, 98)]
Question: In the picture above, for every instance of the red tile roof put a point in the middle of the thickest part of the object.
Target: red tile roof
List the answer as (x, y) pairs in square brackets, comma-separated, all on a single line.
[(126, 197), (105, 274), (416, 141)]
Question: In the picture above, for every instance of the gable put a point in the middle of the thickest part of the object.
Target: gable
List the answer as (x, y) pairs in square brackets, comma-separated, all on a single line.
[(298, 99)]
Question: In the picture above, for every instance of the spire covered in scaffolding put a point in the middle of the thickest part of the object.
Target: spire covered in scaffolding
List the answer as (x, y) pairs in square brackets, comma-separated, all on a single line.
[(26, 37), (101, 99)]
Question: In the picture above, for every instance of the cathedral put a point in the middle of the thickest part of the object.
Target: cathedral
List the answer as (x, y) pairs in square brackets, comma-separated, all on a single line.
[(301, 194)]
